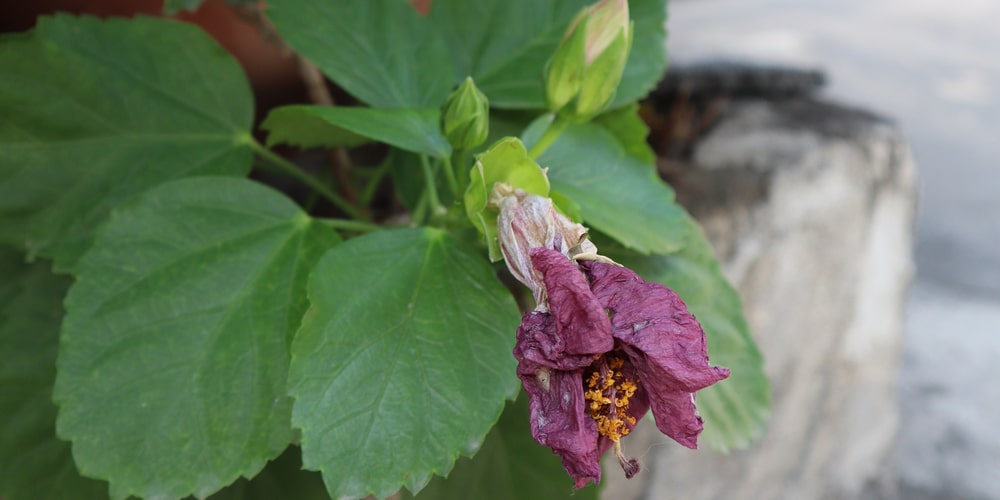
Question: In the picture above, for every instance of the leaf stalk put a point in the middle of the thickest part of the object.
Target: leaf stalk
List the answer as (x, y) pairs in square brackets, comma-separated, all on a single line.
[(292, 170)]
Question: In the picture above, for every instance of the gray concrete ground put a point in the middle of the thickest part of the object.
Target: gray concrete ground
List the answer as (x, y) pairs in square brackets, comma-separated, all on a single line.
[(932, 66), (950, 443)]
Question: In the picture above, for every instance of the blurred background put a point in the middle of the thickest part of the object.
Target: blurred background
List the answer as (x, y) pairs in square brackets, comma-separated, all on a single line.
[(932, 68)]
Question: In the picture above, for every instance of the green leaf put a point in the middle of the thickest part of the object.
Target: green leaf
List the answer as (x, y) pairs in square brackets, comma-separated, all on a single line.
[(385, 54), (511, 465), (735, 410), (96, 111), (617, 193), (505, 44), (627, 126), (283, 477), (408, 178), (647, 61), (393, 379), (174, 352), (33, 463), (416, 130), (380, 51)]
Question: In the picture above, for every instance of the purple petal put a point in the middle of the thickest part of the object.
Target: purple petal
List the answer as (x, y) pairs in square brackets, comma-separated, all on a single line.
[(674, 409), (581, 323), (539, 342), (559, 421), (665, 343)]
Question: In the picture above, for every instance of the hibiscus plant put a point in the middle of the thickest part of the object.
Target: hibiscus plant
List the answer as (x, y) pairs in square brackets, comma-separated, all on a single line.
[(484, 217)]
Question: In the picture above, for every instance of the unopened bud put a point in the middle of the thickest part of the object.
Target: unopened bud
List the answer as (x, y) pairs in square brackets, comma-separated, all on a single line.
[(583, 75), (465, 118)]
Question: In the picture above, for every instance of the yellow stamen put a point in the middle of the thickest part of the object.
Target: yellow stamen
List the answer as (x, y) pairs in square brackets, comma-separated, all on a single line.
[(608, 391)]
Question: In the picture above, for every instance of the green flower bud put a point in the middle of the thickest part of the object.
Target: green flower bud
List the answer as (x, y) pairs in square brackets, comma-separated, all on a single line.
[(583, 74), (465, 118)]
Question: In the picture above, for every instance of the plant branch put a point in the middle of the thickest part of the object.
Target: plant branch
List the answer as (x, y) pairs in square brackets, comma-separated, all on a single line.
[(548, 137), (311, 76), (319, 94), (350, 225), (430, 187), (315, 83), (449, 173), (292, 170), (420, 211), (458, 163), (373, 182)]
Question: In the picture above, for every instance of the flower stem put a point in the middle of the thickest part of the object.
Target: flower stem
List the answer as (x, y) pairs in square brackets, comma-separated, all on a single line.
[(373, 183), (449, 173), (350, 225), (458, 163), (548, 137), (420, 211), (430, 187), (292, 170)]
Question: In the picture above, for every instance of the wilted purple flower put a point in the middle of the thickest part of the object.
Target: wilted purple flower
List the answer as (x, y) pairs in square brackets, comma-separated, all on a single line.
[(610, 347)]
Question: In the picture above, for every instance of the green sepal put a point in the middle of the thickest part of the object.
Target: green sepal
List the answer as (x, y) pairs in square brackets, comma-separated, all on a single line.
[(506, 161), (564, 71)]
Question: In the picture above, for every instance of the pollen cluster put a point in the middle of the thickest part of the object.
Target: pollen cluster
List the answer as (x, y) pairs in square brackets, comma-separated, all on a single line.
[(607, 392)]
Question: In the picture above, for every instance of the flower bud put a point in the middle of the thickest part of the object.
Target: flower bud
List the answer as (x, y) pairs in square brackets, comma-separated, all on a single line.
[(583, 75), (465, 118)]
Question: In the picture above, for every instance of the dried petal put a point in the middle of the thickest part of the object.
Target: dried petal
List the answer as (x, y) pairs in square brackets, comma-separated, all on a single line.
[(557, 416), (552, 350), (580, 319), (665, 343), (539, 341), (591, 378), (527, 221)]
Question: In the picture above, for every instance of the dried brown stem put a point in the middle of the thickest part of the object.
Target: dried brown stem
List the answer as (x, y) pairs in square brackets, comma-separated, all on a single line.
[(312, 78)]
